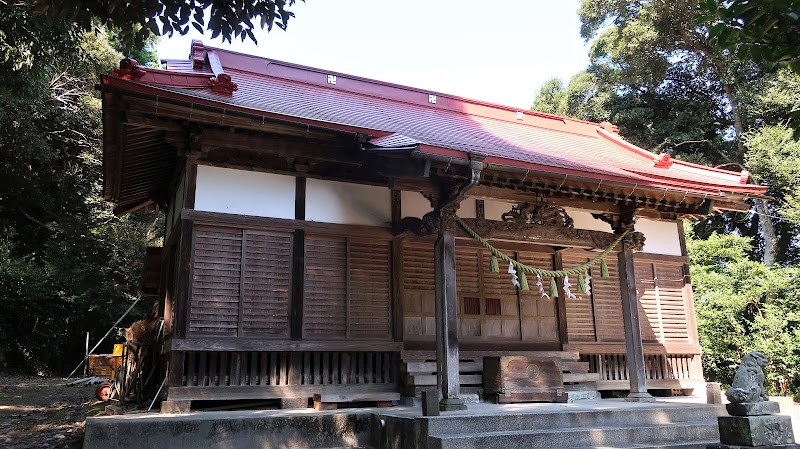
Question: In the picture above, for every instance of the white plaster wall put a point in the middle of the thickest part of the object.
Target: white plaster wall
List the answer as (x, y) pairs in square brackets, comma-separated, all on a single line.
[(494, 209), (244, 192), (345, 203), (583, 220), (468, 208), (661, 237), (413, 204)]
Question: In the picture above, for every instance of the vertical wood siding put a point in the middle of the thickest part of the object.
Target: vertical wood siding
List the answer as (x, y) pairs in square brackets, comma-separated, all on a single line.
[(608, 303), (216, 284), (325, 301), (266, 283), (241, 283), (418, 293), (580, 311), (347, 289), (490, 307), (369, 270), (661, 296), (538, 313)]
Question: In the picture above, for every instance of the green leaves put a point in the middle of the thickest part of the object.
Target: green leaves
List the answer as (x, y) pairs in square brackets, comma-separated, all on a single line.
[(744, 306), (139, 18), (67, 264), (764, 30)]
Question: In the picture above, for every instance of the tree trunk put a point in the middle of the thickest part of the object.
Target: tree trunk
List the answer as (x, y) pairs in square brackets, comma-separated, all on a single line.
[(764, 220), (767, 232)]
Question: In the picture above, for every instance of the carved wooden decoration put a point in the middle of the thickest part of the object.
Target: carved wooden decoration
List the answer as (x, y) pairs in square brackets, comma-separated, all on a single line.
[(634, 241), (523, 232), (538, 214)]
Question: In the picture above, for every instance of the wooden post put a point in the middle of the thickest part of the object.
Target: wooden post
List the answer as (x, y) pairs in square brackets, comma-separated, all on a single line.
[(633, 332), (446, 318), (183, 297), (298, 285)]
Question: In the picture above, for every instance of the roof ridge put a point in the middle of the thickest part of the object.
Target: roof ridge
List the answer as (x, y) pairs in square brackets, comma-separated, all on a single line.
[(438, 94), (644, 152), (452, 110)]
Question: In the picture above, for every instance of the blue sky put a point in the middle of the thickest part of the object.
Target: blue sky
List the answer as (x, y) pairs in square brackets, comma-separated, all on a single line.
[(492, 51)]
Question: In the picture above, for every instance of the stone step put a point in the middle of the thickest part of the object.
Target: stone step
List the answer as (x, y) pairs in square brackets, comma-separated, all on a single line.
[(679, 445), (242, 429), (456, 424), (666, 435)]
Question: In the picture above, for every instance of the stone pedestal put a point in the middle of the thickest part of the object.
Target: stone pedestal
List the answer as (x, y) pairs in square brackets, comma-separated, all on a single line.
[(753, 424), (753, 409), (452, 404), (751, 431)]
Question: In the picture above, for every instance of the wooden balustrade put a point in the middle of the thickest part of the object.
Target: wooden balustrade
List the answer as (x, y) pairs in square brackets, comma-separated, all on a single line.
[(661, 370), (252, 368)]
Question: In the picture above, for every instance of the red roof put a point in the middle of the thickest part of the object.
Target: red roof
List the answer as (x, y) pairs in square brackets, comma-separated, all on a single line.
[(434, 123)]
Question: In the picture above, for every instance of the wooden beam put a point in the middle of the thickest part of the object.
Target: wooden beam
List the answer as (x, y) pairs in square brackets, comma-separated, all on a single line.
[(661, 258), (270, 391), (300, 198), (342, 152), (483, 191), (263, 344), (112, 147), (561, 304), (446, 318), (423, 185), (298, 284), (184, 282), (147, 121), (397, 268), (633, 333), (162, 110), (191, 185), (518, 232), (174, 372), (266, 223), (397, 208), (620, 348)]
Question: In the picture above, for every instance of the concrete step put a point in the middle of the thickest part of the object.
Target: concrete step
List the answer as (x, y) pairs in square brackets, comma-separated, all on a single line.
[(215, 430), (664, 435), (682, 445), (642, 416)]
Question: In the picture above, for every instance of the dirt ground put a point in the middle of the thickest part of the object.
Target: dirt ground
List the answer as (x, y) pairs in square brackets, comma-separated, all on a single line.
[(42, 412)]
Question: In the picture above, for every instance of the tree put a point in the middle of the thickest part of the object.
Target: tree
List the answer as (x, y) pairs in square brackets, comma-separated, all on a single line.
[(67, 264), (136, 19), (775, 155), (742, 306), (762, 31), (649, 52), (583, 98), (552, 98)]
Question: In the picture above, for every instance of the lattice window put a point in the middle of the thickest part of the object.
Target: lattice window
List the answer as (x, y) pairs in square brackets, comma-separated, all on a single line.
[(472, 305), (493, 306)]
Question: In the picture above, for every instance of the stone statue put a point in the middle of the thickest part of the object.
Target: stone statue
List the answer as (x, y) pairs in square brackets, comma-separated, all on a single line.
[(748, 383)]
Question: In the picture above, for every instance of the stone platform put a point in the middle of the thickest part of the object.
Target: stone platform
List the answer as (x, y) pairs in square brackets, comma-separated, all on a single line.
[(668, 423)]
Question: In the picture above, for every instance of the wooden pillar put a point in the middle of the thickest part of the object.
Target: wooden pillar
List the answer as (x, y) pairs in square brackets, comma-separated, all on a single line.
[(633, 332), (446, 318)]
